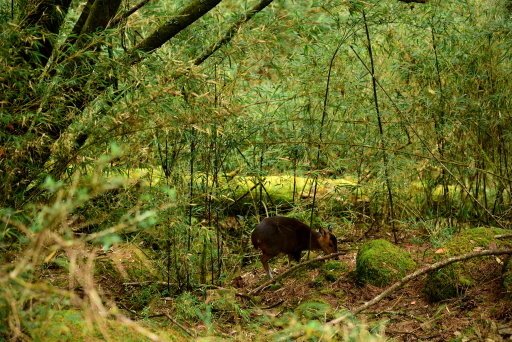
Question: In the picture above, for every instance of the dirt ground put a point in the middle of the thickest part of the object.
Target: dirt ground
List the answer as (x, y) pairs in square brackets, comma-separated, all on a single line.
[(483, 313)]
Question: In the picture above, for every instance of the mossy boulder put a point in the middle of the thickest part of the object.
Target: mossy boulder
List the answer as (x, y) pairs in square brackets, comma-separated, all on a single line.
[(380, 263), (453, 280)]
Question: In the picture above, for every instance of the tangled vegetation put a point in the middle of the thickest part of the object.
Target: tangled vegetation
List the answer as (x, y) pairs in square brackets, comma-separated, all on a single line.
[(142, 141)]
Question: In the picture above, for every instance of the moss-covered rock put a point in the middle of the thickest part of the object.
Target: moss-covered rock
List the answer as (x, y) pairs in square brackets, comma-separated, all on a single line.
[(453, 280), (379, 263), (448, 282)]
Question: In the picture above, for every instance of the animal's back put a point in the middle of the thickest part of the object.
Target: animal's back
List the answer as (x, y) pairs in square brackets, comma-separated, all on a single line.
[(279, 234)]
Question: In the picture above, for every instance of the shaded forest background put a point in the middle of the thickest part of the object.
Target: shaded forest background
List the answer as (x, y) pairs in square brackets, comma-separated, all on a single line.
[(172, 128)]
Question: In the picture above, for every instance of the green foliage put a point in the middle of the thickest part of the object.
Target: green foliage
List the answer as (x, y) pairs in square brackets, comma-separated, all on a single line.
[(4, 316), (379, 263), (97, 150), (308, 323), (313, 310), (190, 308)]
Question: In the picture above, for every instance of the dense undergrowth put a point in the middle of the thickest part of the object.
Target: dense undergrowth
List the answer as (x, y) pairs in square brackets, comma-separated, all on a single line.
[(132, 175)]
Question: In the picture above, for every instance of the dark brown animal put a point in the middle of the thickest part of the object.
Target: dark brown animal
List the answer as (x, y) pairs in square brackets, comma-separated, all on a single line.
[(279, 234)]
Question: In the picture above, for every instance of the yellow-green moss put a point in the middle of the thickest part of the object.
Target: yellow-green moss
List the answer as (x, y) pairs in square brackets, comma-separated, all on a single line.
[(470, 239), (71, 325), (280, 187), (454, 279), (445, 283), (379, 263)]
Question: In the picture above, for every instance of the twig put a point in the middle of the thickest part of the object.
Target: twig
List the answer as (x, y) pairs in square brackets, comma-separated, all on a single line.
[(126, 14), (421, 271), (147, 282), (503, 236), (178, 324), (291, 269), (279, 302)]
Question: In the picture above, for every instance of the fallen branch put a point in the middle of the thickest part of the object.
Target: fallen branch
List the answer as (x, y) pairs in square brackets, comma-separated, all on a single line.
[(421, 271), (179, 325), (279, 302), (147, 282), (291, 269), (189, 333), (503, 236)]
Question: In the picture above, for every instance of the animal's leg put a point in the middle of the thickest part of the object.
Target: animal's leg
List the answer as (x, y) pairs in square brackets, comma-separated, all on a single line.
[(264, 260)]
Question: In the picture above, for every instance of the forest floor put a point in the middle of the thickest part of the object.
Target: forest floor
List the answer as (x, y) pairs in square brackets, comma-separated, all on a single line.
[(483, 313)]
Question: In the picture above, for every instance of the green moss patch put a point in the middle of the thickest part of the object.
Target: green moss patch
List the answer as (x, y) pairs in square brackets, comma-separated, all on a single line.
[(71, 325), (380, 263), (280, 188), (332, 270), (453, 280)]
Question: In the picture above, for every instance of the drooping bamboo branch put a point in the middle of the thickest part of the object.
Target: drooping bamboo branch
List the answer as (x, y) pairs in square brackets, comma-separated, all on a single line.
[(230, 33)]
